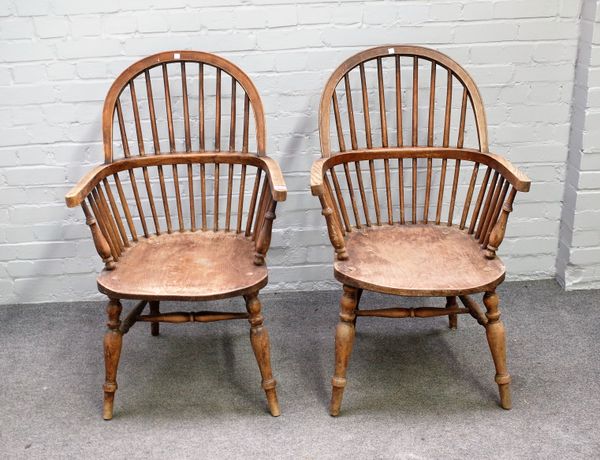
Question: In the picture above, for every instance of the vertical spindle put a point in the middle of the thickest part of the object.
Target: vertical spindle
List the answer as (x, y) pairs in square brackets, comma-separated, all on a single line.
[(350, 113), (399, 136), (382, 111), (415, 104), (454, 189), (201, 113), (469, 196), (233, 115), (365, 101), (218, 111), (440, 201)]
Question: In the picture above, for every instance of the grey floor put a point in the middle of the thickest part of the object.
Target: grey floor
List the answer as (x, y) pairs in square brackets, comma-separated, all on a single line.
[(416, 389)]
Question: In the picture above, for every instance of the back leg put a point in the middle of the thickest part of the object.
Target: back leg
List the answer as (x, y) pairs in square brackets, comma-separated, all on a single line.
[(154, 310), (453, 317), (358, 296)]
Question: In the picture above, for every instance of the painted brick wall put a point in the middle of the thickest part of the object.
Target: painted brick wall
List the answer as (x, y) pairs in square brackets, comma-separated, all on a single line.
[(578, 264), (58, 58)]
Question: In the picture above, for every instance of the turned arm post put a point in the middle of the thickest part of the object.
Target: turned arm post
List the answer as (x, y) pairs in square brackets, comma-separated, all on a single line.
[(263, 240), (497, 233), (100, 242), (319, 187), (335, 234)]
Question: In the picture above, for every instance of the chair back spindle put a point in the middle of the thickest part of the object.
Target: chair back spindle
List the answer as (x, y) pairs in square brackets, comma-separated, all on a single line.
[(175, 104), (436, 179)]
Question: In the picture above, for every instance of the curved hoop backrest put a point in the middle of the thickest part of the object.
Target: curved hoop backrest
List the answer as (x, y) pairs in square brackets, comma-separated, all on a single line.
[(192, 108), (386, 60)]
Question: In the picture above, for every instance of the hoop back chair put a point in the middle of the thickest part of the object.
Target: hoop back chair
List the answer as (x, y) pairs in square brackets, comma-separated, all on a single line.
[(410, 208), (183, 206)]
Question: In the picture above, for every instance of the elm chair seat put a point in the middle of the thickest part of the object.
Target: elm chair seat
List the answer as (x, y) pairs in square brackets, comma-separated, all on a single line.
[(185, 266), (417, 260)]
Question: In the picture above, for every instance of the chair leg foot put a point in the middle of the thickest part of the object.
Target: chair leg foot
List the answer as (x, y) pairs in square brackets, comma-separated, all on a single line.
[(259, 338), (505, 398), (452, 318), (113, 341), (496, 337), (344, 339), (154, 310), (272, 402), (336, 399)]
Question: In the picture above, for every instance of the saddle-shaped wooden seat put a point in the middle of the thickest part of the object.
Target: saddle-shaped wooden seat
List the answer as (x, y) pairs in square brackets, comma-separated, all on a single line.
[(417, 260), (415, 204), (185, 266)]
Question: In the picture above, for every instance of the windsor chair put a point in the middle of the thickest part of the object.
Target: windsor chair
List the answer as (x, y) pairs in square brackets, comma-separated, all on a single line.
[(405, 229), (174, 215)]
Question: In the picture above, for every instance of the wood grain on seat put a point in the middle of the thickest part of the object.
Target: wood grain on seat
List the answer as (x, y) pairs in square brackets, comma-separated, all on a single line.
[(185, 266), (417, 260)]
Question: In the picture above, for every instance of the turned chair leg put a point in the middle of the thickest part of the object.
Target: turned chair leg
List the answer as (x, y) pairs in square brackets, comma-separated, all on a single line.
[(259, 338), (497, 341), (344, 338), (154, 310), (453, 317), (113, 341)]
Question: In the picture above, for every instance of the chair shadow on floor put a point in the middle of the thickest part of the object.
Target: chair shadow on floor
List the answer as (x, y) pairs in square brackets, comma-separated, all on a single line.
[(197, 371), (412, 372)]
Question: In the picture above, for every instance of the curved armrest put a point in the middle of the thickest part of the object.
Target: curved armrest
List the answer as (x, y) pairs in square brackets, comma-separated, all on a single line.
[(276, 180), (512, 174), (316, 177), (77, 194), (520, 181)]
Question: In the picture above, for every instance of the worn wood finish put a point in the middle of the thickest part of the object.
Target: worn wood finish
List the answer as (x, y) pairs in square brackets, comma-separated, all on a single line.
[(185, 266), (175, 223), (445, 219), (392, 260)]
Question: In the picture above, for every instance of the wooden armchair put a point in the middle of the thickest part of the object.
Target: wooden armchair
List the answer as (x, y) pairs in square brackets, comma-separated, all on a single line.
[(410, 210), (176, 216)]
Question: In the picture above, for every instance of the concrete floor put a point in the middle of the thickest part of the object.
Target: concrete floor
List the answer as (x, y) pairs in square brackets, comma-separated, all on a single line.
[(416, 389)]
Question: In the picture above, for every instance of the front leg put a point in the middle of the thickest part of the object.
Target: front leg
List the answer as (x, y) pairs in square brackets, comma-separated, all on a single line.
[(344, 339), (113, 341), (259, 338), (497, 341)]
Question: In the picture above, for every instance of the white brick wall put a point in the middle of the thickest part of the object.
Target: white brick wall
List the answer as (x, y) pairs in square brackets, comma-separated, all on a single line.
[(58, 58), (578, 264)]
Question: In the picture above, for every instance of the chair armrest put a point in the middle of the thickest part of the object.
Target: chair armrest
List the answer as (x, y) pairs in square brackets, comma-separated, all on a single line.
[(80, 191), (510, 172), (316, 177), (276, 180)]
